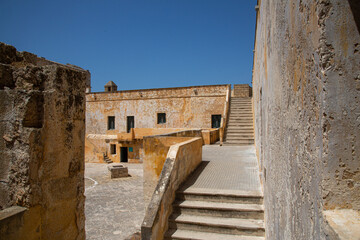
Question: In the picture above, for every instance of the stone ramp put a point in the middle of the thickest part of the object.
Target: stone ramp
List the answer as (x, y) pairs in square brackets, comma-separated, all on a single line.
[(221, 198)]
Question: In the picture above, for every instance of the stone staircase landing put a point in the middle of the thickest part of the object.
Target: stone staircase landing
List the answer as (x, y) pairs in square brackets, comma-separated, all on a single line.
[(222, 199)]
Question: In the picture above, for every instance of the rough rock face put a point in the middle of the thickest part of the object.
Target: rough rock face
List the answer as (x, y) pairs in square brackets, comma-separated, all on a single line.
[(42, 126), (306, 86)]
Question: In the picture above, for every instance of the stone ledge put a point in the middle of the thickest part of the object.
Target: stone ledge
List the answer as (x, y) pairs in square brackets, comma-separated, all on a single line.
[(11, 211)]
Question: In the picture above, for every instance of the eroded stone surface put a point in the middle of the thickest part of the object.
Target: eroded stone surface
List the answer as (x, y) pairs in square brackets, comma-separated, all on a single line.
[(307, 105), (42, 106)]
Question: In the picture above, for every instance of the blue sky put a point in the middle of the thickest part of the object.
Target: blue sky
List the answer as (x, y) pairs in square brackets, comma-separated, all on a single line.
[(138, 44)]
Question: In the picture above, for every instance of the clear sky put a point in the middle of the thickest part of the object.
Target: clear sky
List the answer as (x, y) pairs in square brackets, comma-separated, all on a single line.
[(138, 43)]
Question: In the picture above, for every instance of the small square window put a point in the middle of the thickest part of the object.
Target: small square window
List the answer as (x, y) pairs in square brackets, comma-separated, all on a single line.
[(111, 122), (215, 121), (112, 148), (131, 149), (161, 118)]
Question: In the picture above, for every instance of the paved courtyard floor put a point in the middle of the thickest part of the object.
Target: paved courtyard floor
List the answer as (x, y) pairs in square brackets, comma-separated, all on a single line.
[(114, 208)]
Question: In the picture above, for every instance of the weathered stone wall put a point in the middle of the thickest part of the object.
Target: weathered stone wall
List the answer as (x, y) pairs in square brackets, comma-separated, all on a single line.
[(306, 84), (181, 160), (155, 151), (98, 144), (242, 90), (42, 126), (188, 107)]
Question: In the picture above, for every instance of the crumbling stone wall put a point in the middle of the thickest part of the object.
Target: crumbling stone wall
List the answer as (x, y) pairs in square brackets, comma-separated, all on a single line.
[(42, 129), (306, 84)]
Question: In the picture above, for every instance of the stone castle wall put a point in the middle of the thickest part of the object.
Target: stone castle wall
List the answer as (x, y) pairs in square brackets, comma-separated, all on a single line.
[(188, 107), (306, 89), (42, 130)]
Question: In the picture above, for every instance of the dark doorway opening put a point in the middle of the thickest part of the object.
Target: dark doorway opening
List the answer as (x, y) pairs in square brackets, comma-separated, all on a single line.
[(130, 123), (215, 121), (123, 154)]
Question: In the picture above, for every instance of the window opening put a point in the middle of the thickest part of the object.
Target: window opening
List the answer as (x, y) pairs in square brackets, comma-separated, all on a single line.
[(111, 122), (112, 148), (215, 121), (161, 118)]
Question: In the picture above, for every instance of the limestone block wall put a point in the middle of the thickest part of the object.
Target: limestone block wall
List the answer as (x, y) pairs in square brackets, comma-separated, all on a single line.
[(306, 87), (188, 107), (42, 129), (242, 90)]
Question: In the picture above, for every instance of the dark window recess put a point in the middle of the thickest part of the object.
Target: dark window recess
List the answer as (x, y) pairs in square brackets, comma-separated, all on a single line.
[(161, 118), (215, 121), (111, 122), (130, 123), (112, 148)]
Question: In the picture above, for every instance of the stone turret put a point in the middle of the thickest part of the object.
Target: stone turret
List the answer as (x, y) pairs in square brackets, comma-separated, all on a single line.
[(110, 87)]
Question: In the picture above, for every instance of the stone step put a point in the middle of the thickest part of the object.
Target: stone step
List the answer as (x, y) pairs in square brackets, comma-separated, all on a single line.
[(242, 133), (241, 106), (239, 135), (225, 196), (239, 124), (197, 235), (240, 100), (240, 130), (237, 143), (248, 227), (219, 209), (240, 116), (241, 111), (107, 160), (238, 121), (237, 127), (248, 114), (239, 138), (243, 140), (236, 118)]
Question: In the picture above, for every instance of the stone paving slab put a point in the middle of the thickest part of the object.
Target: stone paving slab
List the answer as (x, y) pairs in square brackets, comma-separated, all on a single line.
[(227, 168), (114, 208)]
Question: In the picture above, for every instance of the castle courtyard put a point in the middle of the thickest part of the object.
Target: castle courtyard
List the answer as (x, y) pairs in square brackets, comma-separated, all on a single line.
[(106, 205)]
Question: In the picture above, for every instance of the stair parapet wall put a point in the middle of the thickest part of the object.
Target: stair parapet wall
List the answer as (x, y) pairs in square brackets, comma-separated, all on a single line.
[(181, 160)]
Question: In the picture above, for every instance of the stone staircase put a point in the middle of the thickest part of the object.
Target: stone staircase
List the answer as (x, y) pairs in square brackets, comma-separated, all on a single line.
[(240, 129), (214, 215), (107, 159)]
